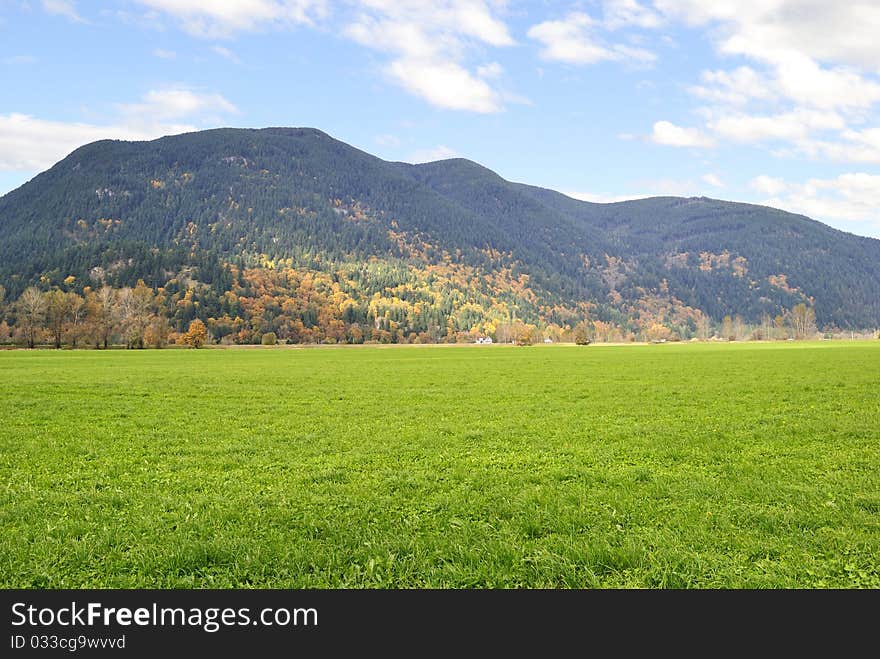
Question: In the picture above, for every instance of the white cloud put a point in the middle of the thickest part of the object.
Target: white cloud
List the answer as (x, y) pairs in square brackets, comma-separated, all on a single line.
[(845, 32), (736, 87), (224, 18), (226, 53), (856, 146), (441, 152), (804, 82), (29, 143), (852, 198), (625, 13), (787, 51), (669, 134), (573, 41), (713, 180), (815, 72), (408, 39), (474, 18), (768, 185), (164, 54), (569, 40), (66, 8), (170, 104), (446, 85), (402, 25), (429, 43), (791, 126)]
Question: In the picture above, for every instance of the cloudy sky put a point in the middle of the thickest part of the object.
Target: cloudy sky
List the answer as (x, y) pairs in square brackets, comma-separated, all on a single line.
[(769, 101)]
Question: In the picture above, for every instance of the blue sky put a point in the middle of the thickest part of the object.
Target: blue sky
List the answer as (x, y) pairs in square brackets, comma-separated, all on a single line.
[(770, 101)]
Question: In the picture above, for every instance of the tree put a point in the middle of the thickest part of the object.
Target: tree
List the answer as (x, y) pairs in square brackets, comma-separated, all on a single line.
[(766, 326), (157, 332), (727, 328), (519, 333), (740, 329), (503, 333), (31, 310), (133, 310), (658, 332), (196, 335), (704, 327), (100, 314), (57, 307), (779, 327), (76, 312), (803, 321), (582, 333)]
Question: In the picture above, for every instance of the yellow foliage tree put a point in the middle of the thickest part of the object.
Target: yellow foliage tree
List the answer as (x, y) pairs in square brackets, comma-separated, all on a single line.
[(195, 336)]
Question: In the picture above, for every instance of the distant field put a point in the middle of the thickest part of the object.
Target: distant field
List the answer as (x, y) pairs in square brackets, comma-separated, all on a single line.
[(645, 466)]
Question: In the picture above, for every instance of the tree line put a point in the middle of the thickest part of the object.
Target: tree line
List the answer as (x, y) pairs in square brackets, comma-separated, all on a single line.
[(306, 312), (101, 318)]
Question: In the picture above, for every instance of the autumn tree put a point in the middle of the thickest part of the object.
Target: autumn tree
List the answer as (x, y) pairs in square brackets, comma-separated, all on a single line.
[(704, 327), (157, 332), (766, 326), (57, 305), (658, 332), (582, 333), (727, 328), (31, 311), (196, 335), (779, 326), (100, 315), (354, 334), (503, 332), (133, 309), (803, 321), (76, 313)]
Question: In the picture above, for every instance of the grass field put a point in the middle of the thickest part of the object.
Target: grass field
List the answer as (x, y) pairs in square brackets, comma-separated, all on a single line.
[(646, 466)]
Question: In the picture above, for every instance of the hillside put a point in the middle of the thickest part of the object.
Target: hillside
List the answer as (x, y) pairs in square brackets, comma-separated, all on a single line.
[(232, 223)]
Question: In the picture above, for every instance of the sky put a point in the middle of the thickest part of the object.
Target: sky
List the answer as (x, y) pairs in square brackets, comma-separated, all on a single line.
[(775, 102)]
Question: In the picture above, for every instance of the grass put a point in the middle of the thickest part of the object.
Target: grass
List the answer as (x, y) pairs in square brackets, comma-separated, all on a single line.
[(740, 466)]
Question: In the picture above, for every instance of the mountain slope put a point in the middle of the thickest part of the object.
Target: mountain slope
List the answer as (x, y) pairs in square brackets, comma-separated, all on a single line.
[(836, 270), (416, 247)]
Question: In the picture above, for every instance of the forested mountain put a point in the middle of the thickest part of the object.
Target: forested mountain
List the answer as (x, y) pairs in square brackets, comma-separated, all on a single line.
[(288, 230)]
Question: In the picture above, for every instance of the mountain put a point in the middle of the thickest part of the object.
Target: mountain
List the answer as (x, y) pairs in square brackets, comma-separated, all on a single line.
[(231, 223)]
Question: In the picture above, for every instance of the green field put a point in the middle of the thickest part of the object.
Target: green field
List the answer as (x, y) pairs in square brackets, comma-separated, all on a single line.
[(704, 466)]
